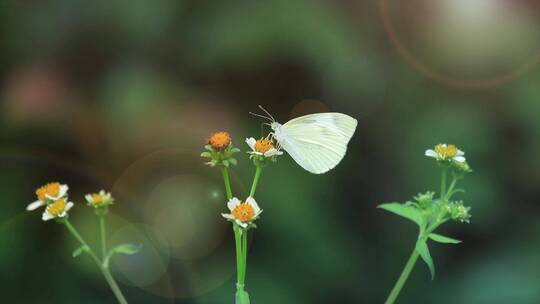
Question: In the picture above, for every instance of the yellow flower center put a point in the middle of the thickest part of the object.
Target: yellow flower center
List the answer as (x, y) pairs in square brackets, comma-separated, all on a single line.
[(446, 151), (243, 212), (220, 140), (51, 189), (263, 145), (97, 198), (57, 207)]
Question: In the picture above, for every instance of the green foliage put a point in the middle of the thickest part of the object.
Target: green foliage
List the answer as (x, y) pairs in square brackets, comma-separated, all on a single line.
[(404, 210), (443, 239), (423, 250), (80, 250), (127, 249)]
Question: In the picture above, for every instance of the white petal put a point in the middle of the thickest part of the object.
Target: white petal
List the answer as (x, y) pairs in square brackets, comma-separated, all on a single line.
[(255, 153), (460, 153), (258, 213), (272, 152), (431, 153), (89, 198), (68, 206), (251, 201), (251, 142), (459, 159), (47, 216), (34, 205), (232, 203), (63, 190), (228, 216), (242, 224)]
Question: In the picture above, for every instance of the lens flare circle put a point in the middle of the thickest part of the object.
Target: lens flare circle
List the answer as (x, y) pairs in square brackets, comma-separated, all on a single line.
[(439, 77)]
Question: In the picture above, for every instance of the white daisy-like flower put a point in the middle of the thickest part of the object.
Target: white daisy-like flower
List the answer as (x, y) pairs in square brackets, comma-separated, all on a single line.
[(242, 213), (47, 193), (100, 199), (57, 209), (263, 147), (444, 152)]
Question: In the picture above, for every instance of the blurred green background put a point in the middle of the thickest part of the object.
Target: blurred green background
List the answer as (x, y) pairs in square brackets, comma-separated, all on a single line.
[(122, 95)]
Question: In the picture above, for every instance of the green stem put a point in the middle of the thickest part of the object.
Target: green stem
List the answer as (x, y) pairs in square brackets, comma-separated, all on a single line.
[(244, 255), (451, 188), (402, 278), (443, 182), (239, 258), (225, 173), (104, 269), (255, 181), (103, 236)]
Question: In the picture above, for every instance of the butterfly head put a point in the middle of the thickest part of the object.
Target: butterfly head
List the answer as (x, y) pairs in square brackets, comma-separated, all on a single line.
[(275, 125)]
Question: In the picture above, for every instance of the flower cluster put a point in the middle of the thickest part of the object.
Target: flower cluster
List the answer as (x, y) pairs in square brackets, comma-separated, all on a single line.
[(429, 211), (54, 197), (220, 150), (242, 214)]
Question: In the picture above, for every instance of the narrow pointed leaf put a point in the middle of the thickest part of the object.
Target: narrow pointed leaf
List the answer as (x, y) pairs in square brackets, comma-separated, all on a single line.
[(423, 250), (126, 249), (406, 211), (443, 239), (79, 251)]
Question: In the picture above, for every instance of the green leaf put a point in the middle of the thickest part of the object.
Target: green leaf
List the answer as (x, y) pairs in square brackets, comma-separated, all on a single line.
[(225, 163), (233, 161), (443, 239), (242, 297), (423, 250), (405, 211), (77, 252), (126, 249), (206, 154)]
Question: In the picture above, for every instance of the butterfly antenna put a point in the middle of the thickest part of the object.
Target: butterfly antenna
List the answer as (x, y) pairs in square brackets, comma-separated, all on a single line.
[(259, 115), (267, 113)]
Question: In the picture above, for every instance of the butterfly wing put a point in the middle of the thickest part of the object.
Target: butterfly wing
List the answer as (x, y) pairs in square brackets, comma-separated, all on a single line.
[(317, 142)]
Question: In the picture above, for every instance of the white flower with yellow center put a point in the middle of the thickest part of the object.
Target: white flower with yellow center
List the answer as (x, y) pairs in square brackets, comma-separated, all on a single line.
[(263, 147), (57, 209), (100, 199), (242, 213), (445, 152), (48, 193)]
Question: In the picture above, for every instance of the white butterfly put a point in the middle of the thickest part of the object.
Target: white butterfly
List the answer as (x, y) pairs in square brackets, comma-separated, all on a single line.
[(317, 142)]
